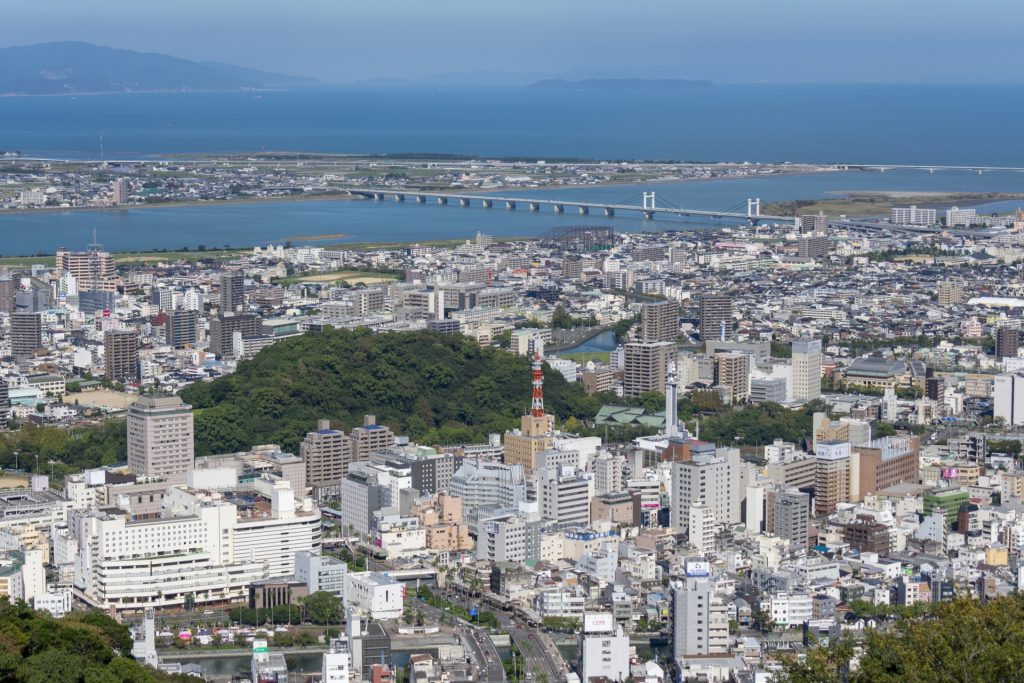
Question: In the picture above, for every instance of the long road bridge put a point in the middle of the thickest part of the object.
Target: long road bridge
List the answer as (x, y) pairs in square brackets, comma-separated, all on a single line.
[(648, 209)]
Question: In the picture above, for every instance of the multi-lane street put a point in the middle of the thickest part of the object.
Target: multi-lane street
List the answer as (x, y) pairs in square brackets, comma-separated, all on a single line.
[(541, 658), (487, 664)]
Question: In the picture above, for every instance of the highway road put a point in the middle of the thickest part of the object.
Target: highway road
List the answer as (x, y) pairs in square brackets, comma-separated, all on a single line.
[(487, 662), (540, 655)]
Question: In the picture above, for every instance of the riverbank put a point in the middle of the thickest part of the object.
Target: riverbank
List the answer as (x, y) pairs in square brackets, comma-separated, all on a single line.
[(341, 195), (881, 202)]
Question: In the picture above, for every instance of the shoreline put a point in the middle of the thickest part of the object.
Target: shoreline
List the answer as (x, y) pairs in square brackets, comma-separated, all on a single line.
[(346, 194)]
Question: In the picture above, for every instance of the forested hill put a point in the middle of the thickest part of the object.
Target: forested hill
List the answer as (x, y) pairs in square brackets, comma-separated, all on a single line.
[(434, 388), (82, 647)]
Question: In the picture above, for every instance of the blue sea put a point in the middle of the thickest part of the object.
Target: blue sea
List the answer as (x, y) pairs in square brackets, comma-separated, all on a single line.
[(913, 124), (892, 124)]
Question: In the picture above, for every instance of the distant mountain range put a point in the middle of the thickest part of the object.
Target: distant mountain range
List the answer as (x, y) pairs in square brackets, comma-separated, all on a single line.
[(619, 84), (73, 68)]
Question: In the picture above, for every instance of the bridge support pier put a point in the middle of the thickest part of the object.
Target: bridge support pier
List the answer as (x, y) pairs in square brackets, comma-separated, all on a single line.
[(378, 196), (534, 207), (488, 203), (463, 202), (584, 210), (510, 205), (648, 215), (609, 211), (420, 199), (442, 200), (559, 208), (399, 197)]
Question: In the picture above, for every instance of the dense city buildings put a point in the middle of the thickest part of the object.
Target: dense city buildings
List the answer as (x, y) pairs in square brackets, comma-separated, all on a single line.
[(690, 430)]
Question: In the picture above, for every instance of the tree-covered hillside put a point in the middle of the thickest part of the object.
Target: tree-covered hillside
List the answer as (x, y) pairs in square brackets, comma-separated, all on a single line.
[(434, 388), (963, 640), (83, 647)]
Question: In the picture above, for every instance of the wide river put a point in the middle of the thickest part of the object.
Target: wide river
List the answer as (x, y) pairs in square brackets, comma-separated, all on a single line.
[(215, 225)]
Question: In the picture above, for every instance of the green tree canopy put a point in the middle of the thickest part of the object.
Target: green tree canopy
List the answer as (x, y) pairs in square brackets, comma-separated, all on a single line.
[(324, 608), (963, 640)]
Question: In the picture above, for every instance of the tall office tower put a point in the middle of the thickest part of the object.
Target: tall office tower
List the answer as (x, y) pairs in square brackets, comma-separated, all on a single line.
[(715, 317), (700, 621), (712, 479), (831, 476), (223, 328), (232, 291), (646, 367), (1007, 342), (161, 438), (181, 329), (806, 358), (811, 224), (94, 269), (26, 334), (8, 290), (535, 427), (327, 453), (121, 355), (732, 370), (790, 516), (5, 404), (659, 321)]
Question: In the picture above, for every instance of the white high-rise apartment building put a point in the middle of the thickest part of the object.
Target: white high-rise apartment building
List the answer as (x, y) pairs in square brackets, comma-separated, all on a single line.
[(604, 649), (806, 369), (564, 495), (608, 470), (1008, 394), (957, 216), (712, 480), (701, 532), (912, 215), (486, 487), (161, 438), (700, 620)]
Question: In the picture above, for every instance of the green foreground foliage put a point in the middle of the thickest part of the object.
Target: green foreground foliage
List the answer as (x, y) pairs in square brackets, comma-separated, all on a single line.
[(83, 647), (963, 640)]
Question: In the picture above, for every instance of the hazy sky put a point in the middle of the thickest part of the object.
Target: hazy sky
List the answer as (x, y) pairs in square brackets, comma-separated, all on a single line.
[(722, 40)]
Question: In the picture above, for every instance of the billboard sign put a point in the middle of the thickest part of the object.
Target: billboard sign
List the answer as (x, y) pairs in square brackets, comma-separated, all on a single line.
[(598, 622), (698, 568)]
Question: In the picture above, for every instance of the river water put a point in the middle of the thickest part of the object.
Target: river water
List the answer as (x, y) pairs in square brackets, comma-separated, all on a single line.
[(216, 225)]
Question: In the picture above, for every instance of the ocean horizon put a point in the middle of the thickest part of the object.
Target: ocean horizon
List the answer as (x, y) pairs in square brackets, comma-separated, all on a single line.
[(952, 124)]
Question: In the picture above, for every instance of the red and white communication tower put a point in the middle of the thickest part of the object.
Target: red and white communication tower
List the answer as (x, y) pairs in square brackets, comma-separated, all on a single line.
[(537, 409)]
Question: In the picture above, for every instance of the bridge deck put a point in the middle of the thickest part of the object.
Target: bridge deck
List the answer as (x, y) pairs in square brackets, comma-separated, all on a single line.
[(571, 202)]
